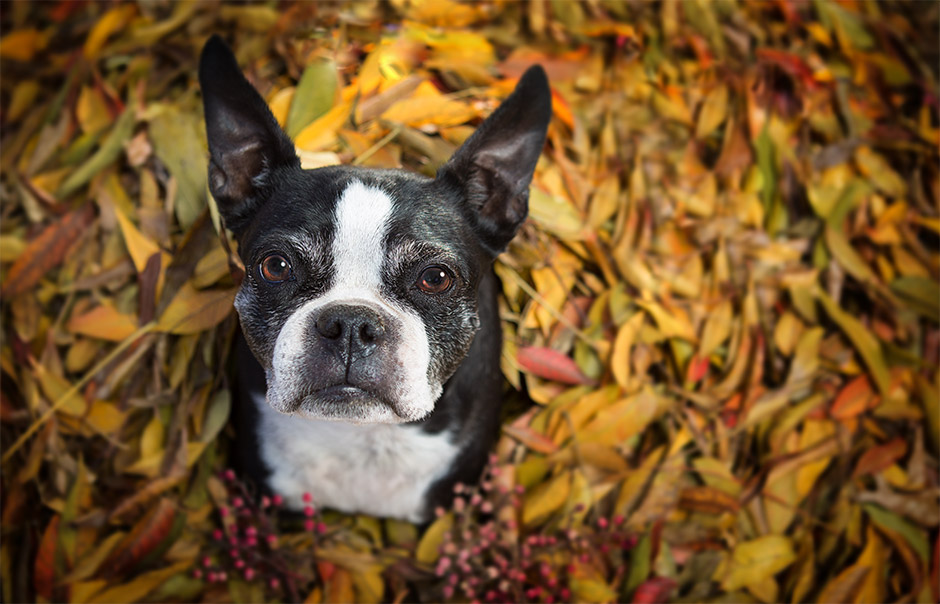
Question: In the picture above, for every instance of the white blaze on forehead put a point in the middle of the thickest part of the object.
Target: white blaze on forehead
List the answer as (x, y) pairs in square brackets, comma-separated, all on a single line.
[(361, 218), (361, 221)]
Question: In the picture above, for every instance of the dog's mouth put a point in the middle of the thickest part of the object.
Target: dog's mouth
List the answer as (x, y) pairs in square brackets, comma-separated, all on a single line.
[(348, 403)]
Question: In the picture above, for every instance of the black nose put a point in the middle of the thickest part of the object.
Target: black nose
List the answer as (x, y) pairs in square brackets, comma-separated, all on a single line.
[(351, 332)]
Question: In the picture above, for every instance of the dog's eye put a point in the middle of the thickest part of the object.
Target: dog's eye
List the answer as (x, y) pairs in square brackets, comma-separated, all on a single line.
[(434, 280), (275, 269)]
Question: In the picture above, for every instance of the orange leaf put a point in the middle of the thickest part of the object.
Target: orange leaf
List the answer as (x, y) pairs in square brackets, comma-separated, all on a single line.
[(46, 251), (854, 399), (551, 365)]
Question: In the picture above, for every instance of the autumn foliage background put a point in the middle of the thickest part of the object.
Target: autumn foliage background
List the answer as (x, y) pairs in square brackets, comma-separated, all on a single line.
[(724, 305)]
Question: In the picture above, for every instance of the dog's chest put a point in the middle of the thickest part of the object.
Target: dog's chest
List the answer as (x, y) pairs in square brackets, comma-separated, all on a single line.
[(376, 469)]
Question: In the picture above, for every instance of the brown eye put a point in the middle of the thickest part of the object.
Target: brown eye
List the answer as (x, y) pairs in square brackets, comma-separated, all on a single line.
[(434, 280), (275, 269)]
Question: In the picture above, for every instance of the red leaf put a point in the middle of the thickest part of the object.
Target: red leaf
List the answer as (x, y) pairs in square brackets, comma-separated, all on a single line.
[(46, 251), (656, 589), (44, 571), (551, 365), (698, 366), (878, 458), (791, 63), (146, 535)]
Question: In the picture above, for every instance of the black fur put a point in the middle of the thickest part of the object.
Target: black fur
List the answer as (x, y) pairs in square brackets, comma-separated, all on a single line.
[(459, 220)]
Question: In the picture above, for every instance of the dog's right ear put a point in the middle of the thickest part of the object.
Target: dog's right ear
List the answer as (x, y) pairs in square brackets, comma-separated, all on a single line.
[(246, 144)]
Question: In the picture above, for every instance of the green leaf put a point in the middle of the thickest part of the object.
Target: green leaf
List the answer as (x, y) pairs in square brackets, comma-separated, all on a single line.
[(922, 295), (110, 150), (179, 141), (315, 95), (892, 522)]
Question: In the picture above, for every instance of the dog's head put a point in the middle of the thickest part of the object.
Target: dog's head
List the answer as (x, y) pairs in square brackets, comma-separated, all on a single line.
[(360, 292)]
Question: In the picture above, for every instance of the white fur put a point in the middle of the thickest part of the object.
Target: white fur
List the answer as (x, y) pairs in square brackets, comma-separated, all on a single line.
[(362, 215), (376, 469)]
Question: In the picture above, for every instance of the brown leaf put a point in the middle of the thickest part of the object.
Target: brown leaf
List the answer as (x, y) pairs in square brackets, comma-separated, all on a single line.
[(707, 500), (46, 251), (878, 458), (44, 574)]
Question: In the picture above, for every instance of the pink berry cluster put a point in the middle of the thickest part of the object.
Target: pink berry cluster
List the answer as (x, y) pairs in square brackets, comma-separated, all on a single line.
[(488, 557), (247, 544)]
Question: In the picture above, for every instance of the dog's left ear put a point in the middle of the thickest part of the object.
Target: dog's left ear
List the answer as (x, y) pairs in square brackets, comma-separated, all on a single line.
[(495, 165)]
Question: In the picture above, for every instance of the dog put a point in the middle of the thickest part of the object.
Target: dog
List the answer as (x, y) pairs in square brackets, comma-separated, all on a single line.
[(369, 372)]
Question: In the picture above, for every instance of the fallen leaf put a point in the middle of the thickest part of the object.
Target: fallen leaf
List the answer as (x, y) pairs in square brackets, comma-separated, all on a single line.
[(46, 251)]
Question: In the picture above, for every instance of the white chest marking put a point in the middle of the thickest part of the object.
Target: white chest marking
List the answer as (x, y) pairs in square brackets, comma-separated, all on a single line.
[(376, 469)]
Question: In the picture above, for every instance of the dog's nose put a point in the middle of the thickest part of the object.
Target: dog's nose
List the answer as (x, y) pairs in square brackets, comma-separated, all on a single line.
[(351, 332)]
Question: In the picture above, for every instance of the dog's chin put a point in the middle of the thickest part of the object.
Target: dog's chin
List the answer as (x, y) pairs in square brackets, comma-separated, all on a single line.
[(346, 403)]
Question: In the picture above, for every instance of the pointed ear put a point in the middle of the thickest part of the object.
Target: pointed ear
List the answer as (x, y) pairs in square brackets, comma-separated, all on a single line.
[(495, 165), (246, 144)]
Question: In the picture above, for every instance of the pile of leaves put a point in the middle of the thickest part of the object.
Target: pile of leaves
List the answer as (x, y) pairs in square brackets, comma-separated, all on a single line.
[(725, 304)]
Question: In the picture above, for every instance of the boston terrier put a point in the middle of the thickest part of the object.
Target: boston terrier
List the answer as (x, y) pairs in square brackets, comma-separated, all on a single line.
[(369, 303)]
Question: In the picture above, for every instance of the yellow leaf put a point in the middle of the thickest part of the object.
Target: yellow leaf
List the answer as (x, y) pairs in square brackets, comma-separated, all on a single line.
[(139, 246), (753, 561), (806, 357), (846, 255), (211, 267), (880, 172), (787, 332), (91, 110), (814, 432), (192, 311), (717, 329), (714, 110), (546, 498), (672, 323), (105, 417), (103, 322), (55, 387), (22, 98), (616, 423), (555, 214), (605, 202), (428, 549), (873, 556), (151, 439), (322, 132), (280, 104), (452, 44), (424, 108), (865, 343), (113, 20), (672, 107), (620, 358)]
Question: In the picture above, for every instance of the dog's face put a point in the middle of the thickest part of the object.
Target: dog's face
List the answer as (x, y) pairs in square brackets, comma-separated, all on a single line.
[(360, 292)]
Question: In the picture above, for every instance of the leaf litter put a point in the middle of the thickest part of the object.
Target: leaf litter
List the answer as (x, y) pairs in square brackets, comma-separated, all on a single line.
[(724, 306)]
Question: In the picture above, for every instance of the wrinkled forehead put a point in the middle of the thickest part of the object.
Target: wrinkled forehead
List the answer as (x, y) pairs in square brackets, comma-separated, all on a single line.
[(362, 212)]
